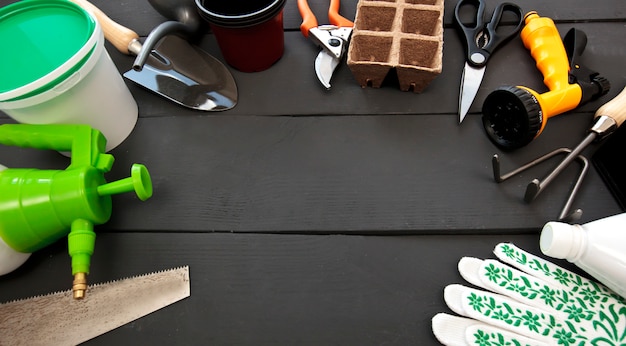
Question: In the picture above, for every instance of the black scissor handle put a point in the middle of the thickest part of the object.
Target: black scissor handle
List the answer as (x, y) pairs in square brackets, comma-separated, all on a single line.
[(497, 38), (470, 30), (482, 38), (478, 15)]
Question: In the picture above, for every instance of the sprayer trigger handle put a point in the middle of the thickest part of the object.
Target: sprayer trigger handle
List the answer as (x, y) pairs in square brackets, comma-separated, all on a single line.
[(574, 42)]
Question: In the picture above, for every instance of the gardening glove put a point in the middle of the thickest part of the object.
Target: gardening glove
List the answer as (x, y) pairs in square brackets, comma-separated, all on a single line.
[(539, 303)]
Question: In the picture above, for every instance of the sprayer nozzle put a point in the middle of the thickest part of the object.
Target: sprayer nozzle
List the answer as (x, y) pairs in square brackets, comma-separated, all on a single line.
[(79, 286), (512, 117), (139, 181)]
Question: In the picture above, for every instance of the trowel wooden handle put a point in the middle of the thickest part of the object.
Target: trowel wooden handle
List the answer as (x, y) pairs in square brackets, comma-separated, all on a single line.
[(120, 36), (615, 109)]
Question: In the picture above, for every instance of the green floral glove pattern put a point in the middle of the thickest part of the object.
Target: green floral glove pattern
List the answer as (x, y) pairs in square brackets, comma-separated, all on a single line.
[(535, 303)]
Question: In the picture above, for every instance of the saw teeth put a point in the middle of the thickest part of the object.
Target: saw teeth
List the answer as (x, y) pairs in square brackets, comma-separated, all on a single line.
[(69, 293)]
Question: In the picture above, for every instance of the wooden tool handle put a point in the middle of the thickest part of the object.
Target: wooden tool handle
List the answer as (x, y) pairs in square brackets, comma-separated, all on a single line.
[(615, 109), (120, 36)]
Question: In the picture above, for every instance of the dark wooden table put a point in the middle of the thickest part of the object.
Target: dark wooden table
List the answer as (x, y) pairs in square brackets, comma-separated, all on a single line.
[(314, 217)]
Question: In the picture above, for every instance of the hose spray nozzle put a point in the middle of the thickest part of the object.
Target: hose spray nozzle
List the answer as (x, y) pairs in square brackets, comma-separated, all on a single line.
[(515, 115)]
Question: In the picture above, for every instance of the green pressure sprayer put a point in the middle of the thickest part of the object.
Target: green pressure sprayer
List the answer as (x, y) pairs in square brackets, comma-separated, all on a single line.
[(38, 207)]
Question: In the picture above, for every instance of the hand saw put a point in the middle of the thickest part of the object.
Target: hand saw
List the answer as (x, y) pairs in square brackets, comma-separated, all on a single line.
[(58, 319)]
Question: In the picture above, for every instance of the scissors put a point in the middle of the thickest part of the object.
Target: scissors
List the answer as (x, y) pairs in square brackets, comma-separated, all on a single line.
[(481, 39), (333, 38)]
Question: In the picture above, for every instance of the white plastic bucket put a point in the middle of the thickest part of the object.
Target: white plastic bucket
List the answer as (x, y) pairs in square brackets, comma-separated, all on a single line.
[(94, 94)]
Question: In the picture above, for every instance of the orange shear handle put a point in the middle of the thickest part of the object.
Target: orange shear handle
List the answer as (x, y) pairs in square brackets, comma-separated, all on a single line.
[(309, 21), (334, 16), (308, 18)]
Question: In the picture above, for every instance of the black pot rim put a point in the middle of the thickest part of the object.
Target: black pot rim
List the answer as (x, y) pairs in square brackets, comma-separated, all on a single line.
[(241, 20)]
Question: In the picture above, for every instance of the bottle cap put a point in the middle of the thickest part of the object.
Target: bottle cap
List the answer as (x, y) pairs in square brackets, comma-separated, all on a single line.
[(557, 239)]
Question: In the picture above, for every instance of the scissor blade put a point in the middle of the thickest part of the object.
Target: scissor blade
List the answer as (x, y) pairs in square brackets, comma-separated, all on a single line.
[(325, 65), (470, 82)]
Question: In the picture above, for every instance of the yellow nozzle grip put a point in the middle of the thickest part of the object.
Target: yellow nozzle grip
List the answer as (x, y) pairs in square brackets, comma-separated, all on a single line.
[(542, 38)]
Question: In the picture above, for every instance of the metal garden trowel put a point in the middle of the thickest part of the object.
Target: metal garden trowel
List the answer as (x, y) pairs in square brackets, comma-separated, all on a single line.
[(174, 68)]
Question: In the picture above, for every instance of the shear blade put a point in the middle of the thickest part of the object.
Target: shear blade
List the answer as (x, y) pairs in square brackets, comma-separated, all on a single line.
[(325, 65), (470, 82)]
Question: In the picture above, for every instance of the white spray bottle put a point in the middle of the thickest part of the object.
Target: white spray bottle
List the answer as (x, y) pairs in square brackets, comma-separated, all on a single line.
[(10, 259), (597, 247)]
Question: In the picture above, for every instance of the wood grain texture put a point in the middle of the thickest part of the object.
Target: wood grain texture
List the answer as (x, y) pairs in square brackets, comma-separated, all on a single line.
[(334, 175), (276, 289), (316, 217), (298, 93), (141, 17)]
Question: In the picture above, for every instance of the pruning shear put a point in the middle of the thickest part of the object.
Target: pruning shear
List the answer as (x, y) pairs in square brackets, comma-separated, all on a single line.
[(481, 39), (333, 38)]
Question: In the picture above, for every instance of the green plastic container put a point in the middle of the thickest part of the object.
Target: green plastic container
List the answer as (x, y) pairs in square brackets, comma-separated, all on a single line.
[(59, 72), (49, 40)]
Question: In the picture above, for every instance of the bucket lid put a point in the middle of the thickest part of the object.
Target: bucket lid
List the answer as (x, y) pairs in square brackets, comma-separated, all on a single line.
[(48, 40)]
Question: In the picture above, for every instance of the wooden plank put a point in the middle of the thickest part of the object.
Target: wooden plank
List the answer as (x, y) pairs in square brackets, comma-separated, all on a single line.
[(142, 17), (264, 93), (342, 175), (335, 174), (275, 289), (291, 82)]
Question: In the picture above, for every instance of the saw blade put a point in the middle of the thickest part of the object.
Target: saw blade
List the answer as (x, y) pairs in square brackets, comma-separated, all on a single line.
[(59, 319)]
